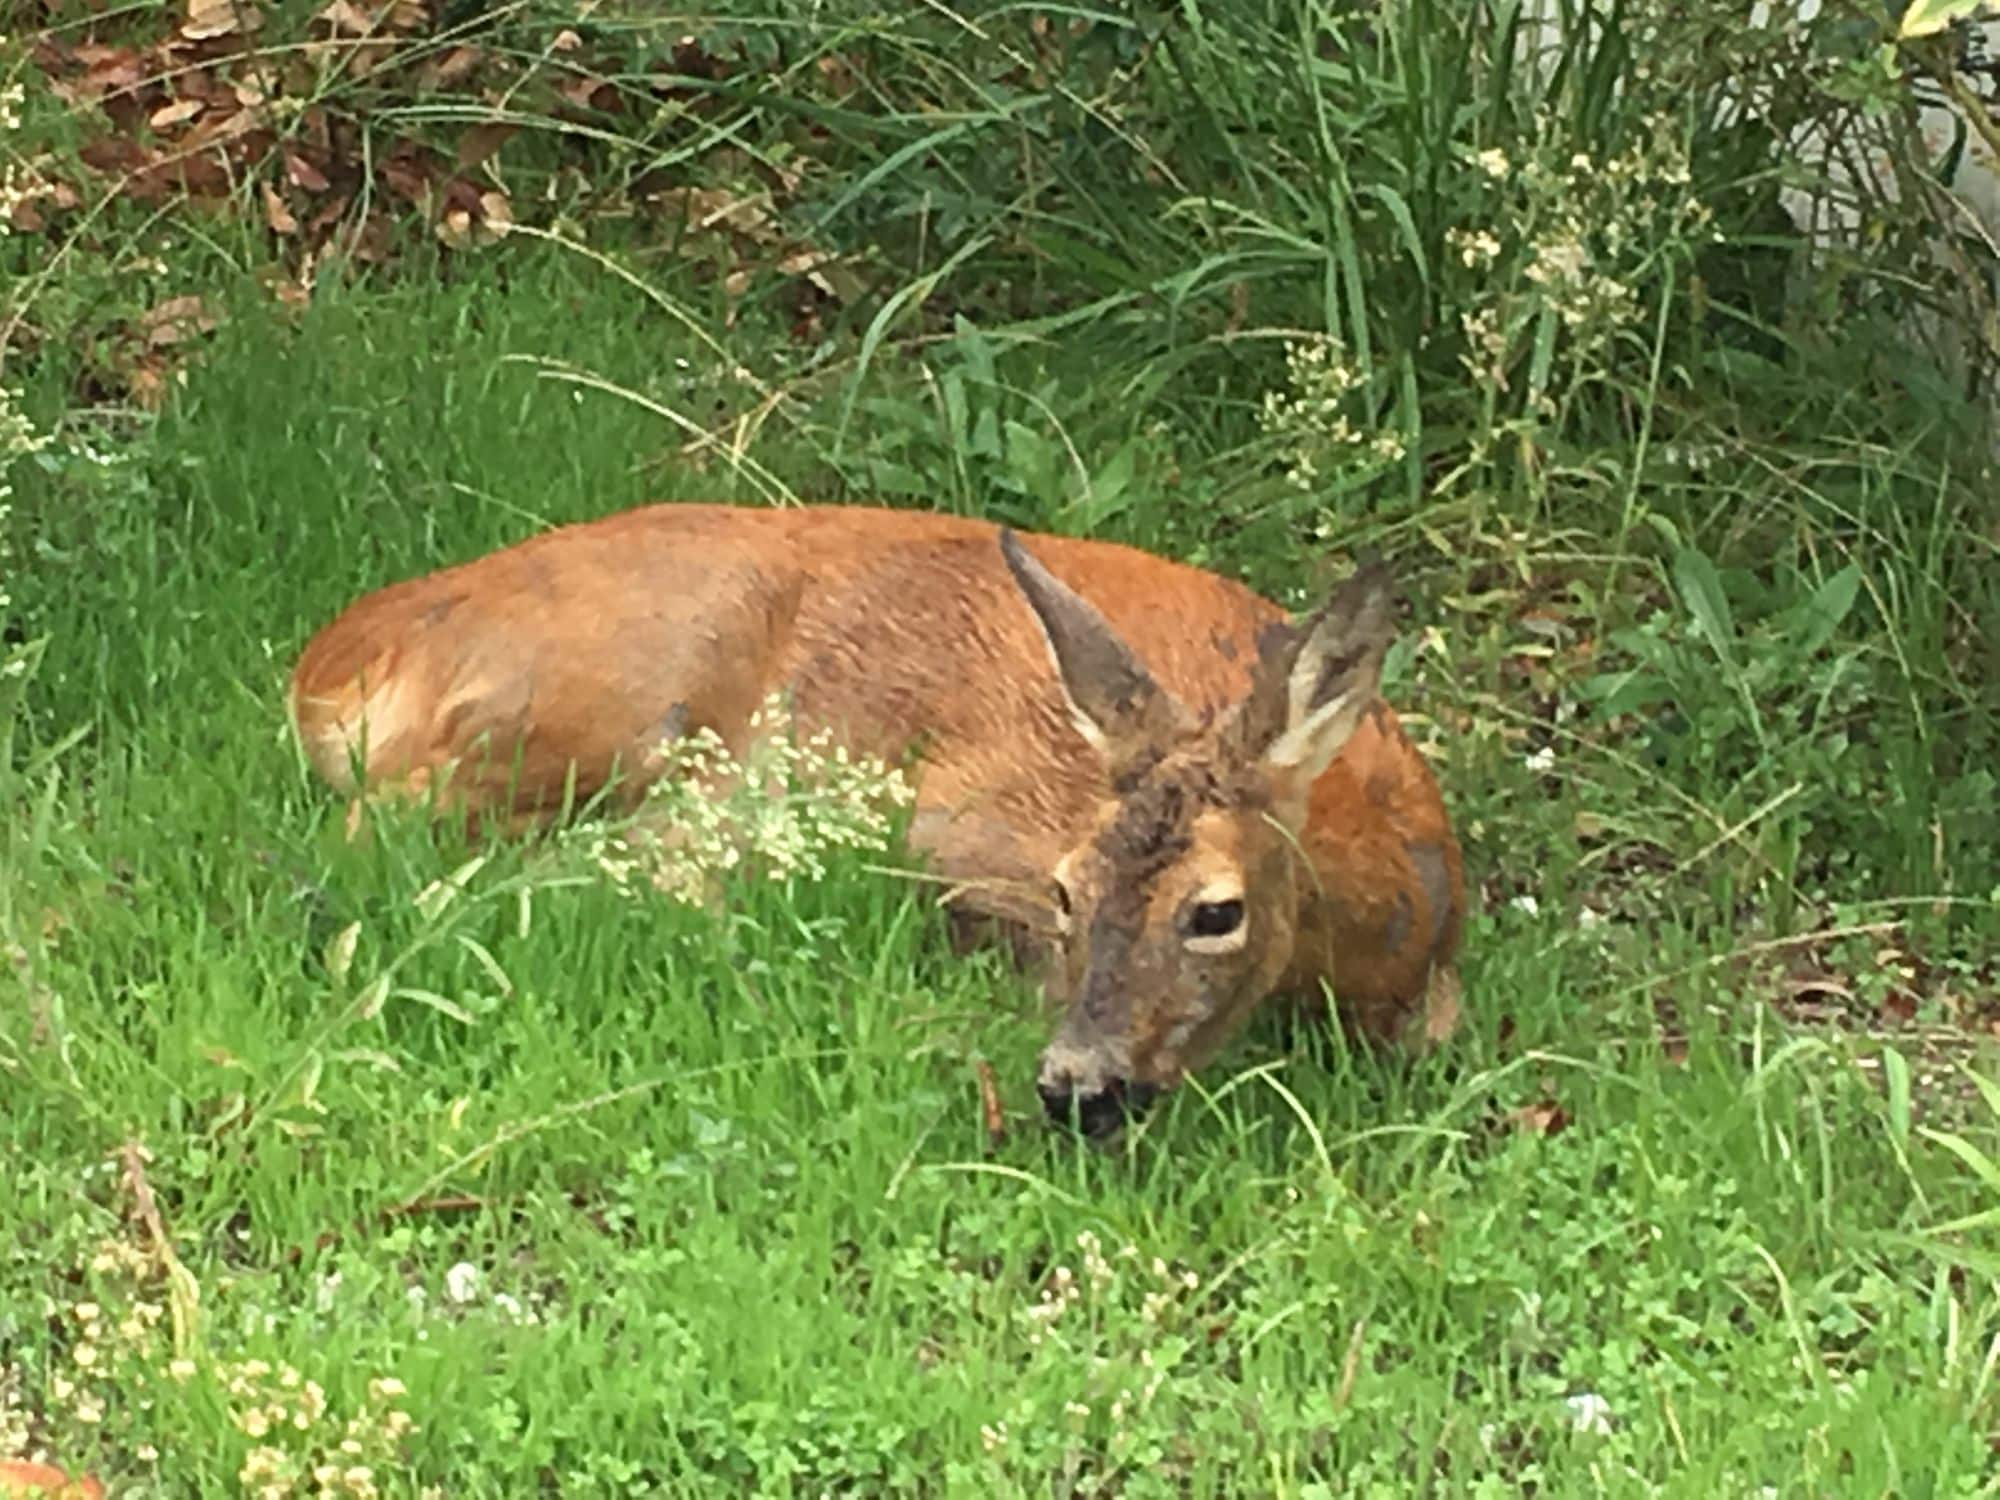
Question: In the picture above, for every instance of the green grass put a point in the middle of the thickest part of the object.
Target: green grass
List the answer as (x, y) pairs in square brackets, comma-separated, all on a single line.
[(638, 1199), (732, 1169)]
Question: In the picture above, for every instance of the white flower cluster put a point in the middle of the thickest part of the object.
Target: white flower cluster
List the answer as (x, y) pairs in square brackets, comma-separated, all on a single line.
[(301, 1449), (19, 182), (781, 810), (114, 1346), (1110, 1290), (1310, 418), (1582, 227), (18, 437)]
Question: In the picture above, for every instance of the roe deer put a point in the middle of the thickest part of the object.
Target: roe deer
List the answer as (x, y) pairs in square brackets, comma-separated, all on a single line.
[(1203, 804)]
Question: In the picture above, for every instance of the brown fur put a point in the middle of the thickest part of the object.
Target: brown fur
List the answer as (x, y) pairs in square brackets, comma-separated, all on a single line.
[(1120, 741)]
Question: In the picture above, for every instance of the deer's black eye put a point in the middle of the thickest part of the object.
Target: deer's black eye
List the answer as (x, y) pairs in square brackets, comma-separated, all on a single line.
[(1215, 918), (1059, 897)]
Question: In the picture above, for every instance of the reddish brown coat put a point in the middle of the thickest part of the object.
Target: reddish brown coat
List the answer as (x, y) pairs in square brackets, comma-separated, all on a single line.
[(575, 651)]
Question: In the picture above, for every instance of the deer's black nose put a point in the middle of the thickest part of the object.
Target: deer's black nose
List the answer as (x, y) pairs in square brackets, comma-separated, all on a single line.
[(1100, 1114)]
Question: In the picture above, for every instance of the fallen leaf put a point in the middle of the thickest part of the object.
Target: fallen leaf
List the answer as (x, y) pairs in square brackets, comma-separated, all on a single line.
[(221, 127), (1899, 1008), (176, 319), (276, 214), (454, 66), (482, 140), (212, 18), (454, 228), (304, 174), (146, 383), (407, 175), (588, 92), (343, 15), (177, 113), (1544, 1118), (115, 71), (407, 15), (707, 208), (20, 1480), (114, 155)]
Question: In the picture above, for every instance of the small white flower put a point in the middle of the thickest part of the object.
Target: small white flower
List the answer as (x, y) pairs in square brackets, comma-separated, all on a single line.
[(461, 1282), (1589, 1413)]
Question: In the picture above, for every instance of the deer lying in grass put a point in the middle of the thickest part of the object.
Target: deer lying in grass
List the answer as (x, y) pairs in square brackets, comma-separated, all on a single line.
[(1207, 805)]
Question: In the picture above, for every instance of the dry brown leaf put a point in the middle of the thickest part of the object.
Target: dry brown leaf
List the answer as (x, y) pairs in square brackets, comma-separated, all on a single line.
[(823, 269), (408, 176), (115, 71), (451, 68), (344, 15), (709, 208), (454, 228), (277, 214), (146, 383), (588, 92), (176, 319), (221, 127), (1544, 1118), (407, 15), (304, 174), (212, 18), (177, 113), (462, 229), (482, 140), (20, 1480)]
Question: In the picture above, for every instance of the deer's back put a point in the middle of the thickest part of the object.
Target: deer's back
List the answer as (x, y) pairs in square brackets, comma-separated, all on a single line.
[(579, 646)]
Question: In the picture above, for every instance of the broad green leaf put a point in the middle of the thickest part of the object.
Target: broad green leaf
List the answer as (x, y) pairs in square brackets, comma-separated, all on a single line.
[(1820, 616), (1701, 590)]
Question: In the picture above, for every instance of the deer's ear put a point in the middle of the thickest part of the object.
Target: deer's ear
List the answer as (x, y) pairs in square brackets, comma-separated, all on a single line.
[(1113, 700), (1317, 679)]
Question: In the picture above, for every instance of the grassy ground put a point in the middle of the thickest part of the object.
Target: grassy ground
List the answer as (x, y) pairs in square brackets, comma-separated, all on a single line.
[(528, 1187)]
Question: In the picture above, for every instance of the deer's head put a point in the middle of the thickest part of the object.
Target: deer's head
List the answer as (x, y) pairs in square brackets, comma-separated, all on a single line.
[(1178, 911)]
